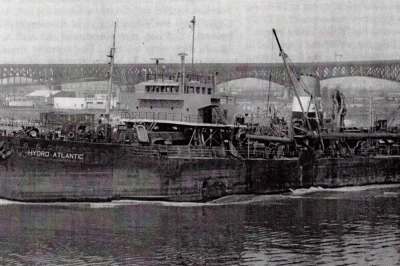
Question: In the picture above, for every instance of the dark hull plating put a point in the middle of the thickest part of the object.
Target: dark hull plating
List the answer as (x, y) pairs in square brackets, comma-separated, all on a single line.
[(269, 176), (44, 170), (40, 170)]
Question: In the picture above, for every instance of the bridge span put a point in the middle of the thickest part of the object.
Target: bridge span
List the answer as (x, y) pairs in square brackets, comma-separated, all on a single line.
[(130, 74)]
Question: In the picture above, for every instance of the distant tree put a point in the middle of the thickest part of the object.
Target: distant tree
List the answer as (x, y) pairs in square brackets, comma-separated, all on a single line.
[(130, 89)]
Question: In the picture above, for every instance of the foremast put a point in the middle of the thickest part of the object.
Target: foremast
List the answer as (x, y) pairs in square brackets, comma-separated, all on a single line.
[(193, 21), (110, 74)]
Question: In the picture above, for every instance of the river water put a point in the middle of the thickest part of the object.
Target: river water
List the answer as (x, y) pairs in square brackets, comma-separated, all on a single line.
[(345, 226)]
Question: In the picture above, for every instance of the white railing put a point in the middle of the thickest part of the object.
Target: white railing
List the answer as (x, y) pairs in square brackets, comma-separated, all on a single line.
[(165, 116), (180, 151)]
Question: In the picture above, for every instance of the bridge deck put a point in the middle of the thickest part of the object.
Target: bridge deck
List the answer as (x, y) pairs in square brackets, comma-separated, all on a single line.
[(129, 74)]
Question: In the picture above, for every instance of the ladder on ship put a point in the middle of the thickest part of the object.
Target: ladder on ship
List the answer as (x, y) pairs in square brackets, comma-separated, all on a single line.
[(221, 116)]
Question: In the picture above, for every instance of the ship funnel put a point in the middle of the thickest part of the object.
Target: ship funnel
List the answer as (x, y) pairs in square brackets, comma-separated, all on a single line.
[(182, 78), (309, 91), (306, 86)]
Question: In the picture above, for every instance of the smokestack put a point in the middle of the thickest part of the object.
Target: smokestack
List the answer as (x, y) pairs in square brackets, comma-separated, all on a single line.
[(215, 83), (182, 79)]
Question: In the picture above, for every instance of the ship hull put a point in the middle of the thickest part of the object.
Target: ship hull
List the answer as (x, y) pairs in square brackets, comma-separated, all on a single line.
[(280, 175), (40, 170), (44, 170)]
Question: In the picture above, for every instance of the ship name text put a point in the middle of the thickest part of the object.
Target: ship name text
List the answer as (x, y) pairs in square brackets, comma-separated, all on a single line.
[(58, 155)]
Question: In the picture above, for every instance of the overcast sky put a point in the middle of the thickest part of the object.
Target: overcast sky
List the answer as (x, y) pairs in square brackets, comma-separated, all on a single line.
[(227, 31)]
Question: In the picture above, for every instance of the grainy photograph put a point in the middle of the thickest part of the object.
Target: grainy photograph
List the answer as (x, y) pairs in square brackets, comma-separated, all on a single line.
[(188, 132)]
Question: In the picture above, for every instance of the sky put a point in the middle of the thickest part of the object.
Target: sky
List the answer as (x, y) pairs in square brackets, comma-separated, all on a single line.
[(226, 31)]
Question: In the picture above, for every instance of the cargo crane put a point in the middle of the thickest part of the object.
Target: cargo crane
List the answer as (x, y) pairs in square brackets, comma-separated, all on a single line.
[(386, 124), (392, 115)]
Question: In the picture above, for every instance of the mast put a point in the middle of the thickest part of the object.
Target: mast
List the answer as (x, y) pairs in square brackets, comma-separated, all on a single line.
[(110, 74), (269, 91), (370, 112), (193, 21)]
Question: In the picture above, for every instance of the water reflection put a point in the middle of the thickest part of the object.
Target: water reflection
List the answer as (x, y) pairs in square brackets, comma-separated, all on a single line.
[(331, 227)]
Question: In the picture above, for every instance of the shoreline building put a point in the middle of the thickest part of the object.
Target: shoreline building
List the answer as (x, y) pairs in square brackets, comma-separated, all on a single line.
[(98, 101)]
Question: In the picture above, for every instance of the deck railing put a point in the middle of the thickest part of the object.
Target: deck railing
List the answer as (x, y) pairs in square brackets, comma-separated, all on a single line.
[(180, 151), (173, 77), (166, 116), (18, 123)]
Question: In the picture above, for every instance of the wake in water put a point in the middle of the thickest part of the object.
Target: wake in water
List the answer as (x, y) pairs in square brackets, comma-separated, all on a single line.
[(302, 191), (117, 203), (353, 192), (7, 202), (388, 190)]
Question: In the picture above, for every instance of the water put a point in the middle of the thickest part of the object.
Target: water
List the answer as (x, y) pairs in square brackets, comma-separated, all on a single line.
[(346, 226)]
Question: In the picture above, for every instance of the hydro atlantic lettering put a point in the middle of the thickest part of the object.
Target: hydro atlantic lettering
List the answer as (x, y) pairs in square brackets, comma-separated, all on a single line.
[(57, 155)]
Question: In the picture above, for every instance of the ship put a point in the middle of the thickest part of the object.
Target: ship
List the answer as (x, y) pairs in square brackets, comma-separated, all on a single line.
[(179, 142)]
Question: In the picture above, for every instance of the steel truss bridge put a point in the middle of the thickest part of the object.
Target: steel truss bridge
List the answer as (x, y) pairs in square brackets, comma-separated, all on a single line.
[(130, 74)]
